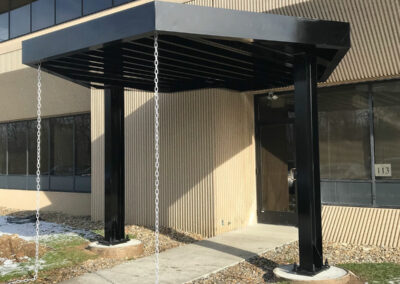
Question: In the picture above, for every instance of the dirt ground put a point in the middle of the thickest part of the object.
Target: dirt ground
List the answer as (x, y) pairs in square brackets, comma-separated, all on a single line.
[(14, 248)]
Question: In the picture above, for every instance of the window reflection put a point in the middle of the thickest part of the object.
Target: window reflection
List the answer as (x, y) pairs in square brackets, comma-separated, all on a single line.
[(3, 149), (92, 6), (42, 14), (65, 148), (4, 27), (344, 133), (17, 148), (387, 126), (83, 145), (68, 10), (20, 21), (44, 145), (62, 132), (119, 2)]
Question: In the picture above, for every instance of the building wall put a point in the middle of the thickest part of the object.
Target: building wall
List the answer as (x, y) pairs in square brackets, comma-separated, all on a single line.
[(207, 171), (18, 102), (367, 226), (234, 160), (66, 202), (59, 97), (375, 31)]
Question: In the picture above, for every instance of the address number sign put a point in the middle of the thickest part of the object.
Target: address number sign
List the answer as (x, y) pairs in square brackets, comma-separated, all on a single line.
[(383, 170)]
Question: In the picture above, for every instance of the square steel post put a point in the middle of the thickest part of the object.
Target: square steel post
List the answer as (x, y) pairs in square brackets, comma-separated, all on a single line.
[(307, 164), (114, 196)]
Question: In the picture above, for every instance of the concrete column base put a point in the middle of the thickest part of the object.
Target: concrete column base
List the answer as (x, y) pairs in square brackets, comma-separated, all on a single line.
[(333, 275), (128, 250)]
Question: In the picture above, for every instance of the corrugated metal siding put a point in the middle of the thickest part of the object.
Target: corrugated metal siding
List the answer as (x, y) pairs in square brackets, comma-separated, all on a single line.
[(234, 160), (186, 172), (11, 61), (97, 134), (207, 159), (375, 31), (355, 225)]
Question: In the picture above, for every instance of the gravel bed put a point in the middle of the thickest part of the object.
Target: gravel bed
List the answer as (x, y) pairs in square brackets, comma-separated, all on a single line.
[(169, 238), (255, 270), (260, 269)]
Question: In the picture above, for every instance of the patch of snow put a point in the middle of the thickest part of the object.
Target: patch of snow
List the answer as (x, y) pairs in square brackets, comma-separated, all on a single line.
[(10, 266), (47, 230), (27, 231)]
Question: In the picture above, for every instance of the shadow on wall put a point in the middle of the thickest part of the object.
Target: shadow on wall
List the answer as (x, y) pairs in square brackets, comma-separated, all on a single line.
[(374, 29), (374, 48), (207, 160)]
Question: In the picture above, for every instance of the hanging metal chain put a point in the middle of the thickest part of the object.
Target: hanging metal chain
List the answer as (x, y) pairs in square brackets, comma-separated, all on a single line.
[(157, 160), (37, 225), (38, 150)]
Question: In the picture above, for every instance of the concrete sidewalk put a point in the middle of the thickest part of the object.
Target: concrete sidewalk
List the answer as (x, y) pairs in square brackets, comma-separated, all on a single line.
[(189, 262)]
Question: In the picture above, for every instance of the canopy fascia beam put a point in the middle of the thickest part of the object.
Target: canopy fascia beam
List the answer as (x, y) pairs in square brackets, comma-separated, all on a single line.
[(189, 20)]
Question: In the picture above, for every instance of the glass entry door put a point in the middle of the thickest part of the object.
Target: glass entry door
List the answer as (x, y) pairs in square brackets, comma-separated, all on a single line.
[(276, 184)]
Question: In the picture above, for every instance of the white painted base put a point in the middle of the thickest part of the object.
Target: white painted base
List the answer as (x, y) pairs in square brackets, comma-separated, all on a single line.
[(333, 273), (127, 244)]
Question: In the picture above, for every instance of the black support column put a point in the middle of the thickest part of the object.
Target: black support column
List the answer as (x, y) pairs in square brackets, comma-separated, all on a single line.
[(114, 210), (307, 164)]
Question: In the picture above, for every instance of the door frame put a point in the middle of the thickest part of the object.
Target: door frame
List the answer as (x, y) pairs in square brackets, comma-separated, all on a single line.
[(268, 217)]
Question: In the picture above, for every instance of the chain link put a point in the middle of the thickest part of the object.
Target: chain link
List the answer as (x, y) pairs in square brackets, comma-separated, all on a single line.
[(157, 160), (37, 225)]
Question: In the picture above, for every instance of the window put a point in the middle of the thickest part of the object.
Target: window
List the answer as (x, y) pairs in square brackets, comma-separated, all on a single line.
[(17, 148), (20, 21), (83, 145), (42, 14), (92, 6), (119, 2), (62, 146), (4, 27), (344, 133), (65, 153), (3, 149), (44, 147), (386, 98), (68, 10)]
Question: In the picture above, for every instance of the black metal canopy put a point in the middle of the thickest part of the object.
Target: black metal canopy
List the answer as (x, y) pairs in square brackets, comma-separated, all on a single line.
[(201, 47), (198, 47)]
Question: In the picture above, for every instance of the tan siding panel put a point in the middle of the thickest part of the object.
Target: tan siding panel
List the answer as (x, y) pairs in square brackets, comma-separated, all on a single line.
[(204, 167), (375, 31), (185, 161), (59, 97), (234, 159), (66, 202), (11, 61), (97, 129), (355, 225)]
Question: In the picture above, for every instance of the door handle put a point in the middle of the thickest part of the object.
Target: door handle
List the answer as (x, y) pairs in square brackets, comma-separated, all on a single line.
[(291, 176)]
